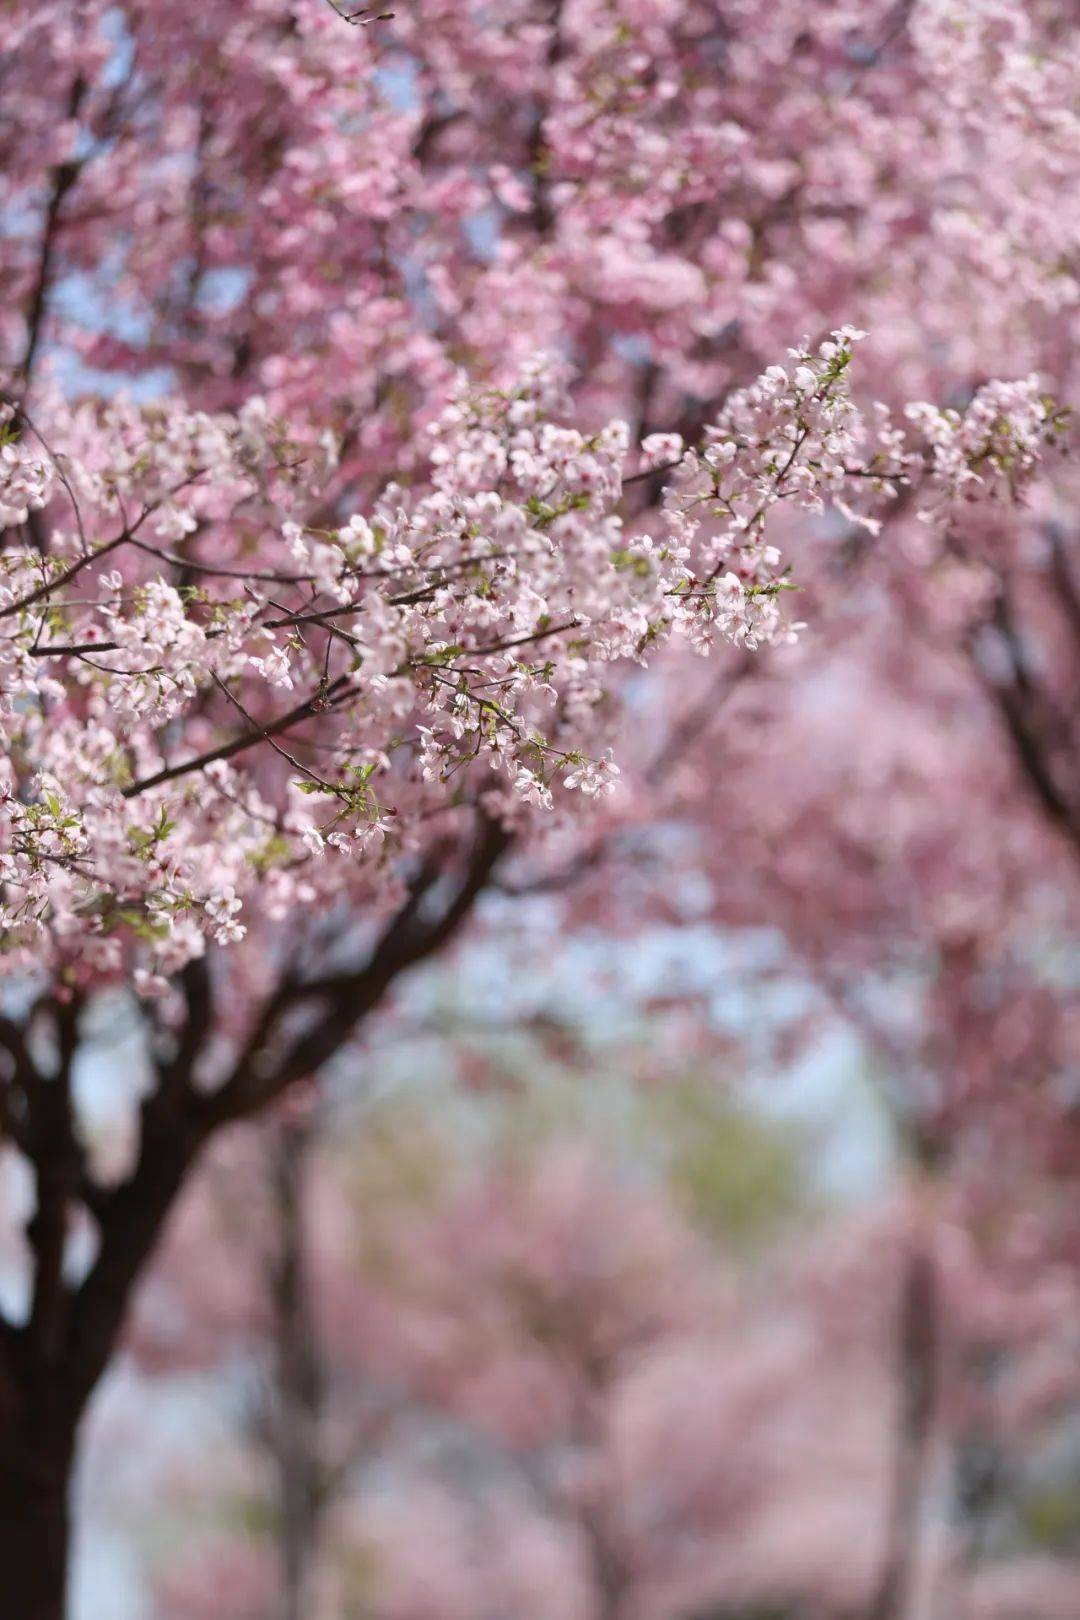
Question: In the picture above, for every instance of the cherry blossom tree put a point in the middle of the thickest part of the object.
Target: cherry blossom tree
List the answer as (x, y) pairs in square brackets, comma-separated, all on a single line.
[(532, 1383), (452, 354)]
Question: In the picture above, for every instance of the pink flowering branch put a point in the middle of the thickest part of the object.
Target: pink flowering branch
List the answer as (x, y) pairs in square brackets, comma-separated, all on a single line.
[(519, 532)]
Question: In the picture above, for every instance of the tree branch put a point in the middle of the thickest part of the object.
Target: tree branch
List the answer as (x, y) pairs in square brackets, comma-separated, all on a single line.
[(61, 180), (1033, 725), (246, 739), (131, 1221), (57, 1163), (347, 998)]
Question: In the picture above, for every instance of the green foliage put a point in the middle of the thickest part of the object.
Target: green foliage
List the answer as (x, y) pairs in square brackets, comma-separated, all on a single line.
[(739, 1176), (142, 840), (397, 1165), (1051, 1516), (358, 1567)]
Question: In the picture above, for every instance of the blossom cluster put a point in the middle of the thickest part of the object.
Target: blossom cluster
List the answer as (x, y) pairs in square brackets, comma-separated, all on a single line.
[(207, 684), (455, 634), (26, 478)]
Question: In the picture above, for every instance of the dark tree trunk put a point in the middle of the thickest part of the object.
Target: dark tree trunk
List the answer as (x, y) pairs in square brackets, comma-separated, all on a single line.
[(50, 1366), (918, 1332), (297, 1394), (35, 1475)]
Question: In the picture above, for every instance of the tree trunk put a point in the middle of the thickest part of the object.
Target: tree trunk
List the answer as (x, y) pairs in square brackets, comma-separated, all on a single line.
[(35, 1475), (50, 1367), (297, 1393), (918, 1332)]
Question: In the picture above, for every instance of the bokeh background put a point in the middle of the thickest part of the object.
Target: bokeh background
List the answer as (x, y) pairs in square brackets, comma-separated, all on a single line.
[(618, 1291)]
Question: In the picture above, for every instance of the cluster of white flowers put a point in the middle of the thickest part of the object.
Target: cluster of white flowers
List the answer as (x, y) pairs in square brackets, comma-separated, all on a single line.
[(27, 477), (998, 440), (789, 437), (202, 693)]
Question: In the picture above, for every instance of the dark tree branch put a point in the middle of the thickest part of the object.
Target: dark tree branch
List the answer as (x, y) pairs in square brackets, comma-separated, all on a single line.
[(57, 1161), (16, 1085), (1065, 580), (1039, 733), (246, 739), (14, 1091), (131, 1220), (61, 180), (431, 130), (176, 1120), (543, 215), (348, 997), (198, 990)]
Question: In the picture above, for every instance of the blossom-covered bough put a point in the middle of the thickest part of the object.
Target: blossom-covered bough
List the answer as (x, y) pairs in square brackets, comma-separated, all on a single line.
[(215, 703)]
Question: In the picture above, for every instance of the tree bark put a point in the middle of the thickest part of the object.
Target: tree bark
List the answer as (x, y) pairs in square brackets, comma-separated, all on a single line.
[(918, 1332), (50, 1367), (36, 1452), (296, 1398)]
